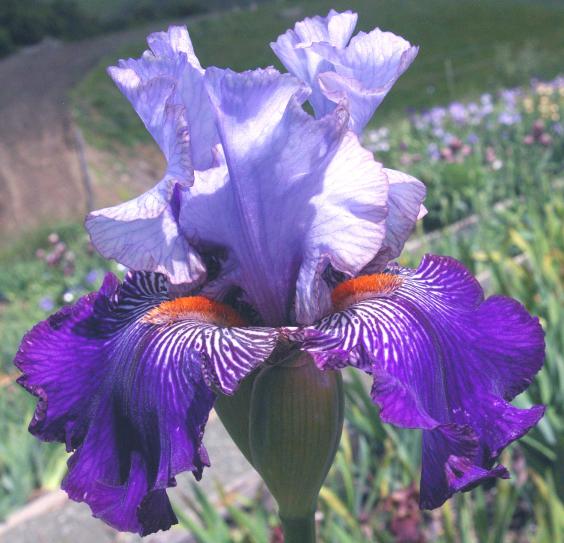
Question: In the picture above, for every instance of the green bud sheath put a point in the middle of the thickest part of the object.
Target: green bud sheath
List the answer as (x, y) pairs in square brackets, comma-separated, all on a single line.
[(234, 412), (296, 421)]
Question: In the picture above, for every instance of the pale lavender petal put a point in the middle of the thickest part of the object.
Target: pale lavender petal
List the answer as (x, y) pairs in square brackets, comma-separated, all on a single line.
[(364, 72), (155, 101), (361, 72), (405, 204), (171, 59), (191, 94), (445, 361), (349, 225), (165, 86), (286, 180), (172, 43), (129, 389), (143, 234), (293, 48)]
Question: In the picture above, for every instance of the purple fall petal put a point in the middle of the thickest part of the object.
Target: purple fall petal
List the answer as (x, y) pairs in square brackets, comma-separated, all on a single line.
[(445, 361), (131, 394), (65, 340)]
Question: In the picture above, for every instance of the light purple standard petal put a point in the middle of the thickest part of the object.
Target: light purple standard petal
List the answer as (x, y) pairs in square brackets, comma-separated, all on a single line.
[(171, 61), (362, 72), (143, 234), (164, 117), (293, 48), (165, 86), (294, 196), (129, 390), (405, 203), (443, 360)]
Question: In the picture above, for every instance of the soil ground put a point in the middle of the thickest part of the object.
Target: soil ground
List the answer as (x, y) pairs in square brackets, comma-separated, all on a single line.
[(41, 176)]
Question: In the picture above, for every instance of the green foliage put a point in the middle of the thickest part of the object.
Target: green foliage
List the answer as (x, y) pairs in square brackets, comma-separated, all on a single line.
[(25, 22), (236, 520), (465, 46), (25, 464), (37, 272)]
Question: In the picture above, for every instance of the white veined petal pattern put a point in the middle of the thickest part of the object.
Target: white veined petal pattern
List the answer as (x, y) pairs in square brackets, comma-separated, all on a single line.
[(443, 360), (124, 378), (227, 354)]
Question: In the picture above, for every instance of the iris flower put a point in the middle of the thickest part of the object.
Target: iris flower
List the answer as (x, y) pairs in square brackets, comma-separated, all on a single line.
[(270, 227)]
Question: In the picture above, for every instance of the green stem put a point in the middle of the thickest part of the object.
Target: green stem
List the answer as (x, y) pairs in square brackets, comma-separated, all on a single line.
[(299, 530)]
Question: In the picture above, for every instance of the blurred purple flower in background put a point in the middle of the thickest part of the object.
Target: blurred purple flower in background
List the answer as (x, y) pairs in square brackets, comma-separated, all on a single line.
[(92, 277), (458, 112), (433, 152), (472, 138), (47, 303)]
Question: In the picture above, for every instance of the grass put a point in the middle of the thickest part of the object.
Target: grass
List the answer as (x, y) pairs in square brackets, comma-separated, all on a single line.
[(466, 47), (29, 282)]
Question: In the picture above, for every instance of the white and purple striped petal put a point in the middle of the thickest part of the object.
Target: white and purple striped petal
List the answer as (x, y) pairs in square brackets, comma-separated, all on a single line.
[(443, 360), (295, 194), (361, 72), (130, 393)]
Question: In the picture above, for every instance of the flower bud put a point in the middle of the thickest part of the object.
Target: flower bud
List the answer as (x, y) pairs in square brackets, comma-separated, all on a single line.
[(234, 412), (296, 421)]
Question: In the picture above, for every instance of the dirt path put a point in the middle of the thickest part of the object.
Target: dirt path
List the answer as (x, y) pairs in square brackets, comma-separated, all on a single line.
[(40, 172)]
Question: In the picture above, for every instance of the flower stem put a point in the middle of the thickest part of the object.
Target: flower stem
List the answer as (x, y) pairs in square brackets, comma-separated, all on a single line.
[(299, 530)]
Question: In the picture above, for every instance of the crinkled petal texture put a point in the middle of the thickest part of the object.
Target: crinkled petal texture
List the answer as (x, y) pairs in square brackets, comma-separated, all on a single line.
[(362, 72), (443, 360), (405, 208), (295, 194), (171, 63), (130, 394), (143, 234), (165, 87), (293, 48)]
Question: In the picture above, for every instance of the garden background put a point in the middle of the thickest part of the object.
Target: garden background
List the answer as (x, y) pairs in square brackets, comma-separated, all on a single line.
[(479, 117)]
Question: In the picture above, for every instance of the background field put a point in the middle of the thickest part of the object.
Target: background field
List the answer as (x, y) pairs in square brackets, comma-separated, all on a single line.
[(466, 47), (483, 151)]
